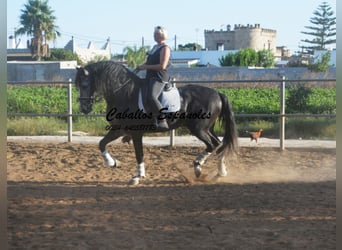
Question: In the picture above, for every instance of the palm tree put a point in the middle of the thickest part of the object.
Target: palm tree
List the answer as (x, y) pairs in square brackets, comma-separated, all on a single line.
[(134, 56), (37, 20)]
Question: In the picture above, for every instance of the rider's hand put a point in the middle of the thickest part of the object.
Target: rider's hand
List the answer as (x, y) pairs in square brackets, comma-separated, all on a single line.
[(141, 67)]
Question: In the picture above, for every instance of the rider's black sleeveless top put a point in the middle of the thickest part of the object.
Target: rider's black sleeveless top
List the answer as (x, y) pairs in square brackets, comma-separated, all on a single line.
[(154, 58)]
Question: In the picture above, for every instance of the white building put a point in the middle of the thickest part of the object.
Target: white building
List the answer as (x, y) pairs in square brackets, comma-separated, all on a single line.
[(198, 58), (90, 52)]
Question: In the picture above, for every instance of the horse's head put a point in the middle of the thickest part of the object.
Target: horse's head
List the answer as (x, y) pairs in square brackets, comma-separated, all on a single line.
[(85, 85)]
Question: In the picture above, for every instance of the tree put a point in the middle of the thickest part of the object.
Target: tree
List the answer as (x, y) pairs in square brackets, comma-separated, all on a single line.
[(322, 63), (323, 29), (63, 55), (248, 57), (37, 20), (189, 47), (265, 58), (134, 56), (227, 60)]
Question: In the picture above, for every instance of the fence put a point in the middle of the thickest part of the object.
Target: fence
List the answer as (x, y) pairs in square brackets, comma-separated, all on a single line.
[(282, 115)]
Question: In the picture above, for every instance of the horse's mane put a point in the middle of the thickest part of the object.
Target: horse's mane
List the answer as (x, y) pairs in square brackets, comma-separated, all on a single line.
[(109, 76)]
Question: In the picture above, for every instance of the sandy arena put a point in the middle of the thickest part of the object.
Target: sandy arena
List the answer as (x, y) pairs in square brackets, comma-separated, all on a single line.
[(60, 196)]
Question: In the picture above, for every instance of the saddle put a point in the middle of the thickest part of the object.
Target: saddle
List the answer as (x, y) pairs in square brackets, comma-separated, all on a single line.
[(169, 98)]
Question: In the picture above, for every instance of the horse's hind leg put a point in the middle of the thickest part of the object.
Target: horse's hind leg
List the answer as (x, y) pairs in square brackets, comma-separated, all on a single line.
[(211, 143), (139, 156), (222, 169), (109, 137), (214, 139)]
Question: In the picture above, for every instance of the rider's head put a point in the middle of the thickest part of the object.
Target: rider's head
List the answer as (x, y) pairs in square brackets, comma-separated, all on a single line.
[(160, 33)]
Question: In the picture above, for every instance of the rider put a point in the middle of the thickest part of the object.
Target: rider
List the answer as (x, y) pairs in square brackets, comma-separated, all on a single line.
[(156, 73)]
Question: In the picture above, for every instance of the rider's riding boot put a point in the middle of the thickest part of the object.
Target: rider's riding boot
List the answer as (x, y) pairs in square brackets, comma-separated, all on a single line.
[(161, 124)]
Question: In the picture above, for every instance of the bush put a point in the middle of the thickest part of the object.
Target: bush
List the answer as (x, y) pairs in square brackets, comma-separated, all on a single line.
[(301, 99), (251, 100), (248, 57), (45, 99)]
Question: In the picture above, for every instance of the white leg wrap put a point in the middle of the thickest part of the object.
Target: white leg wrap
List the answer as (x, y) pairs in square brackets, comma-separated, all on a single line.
[(140, 174), (222, 170), (202, 157), (108, 160), (141, 169)]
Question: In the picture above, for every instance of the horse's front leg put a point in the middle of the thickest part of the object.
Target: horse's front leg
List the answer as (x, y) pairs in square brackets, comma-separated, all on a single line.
[(109, 137), (139, 156)]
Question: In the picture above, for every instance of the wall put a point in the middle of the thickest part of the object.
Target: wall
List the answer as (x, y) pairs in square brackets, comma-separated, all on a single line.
[(245, 73), (242, 37), (40, 71), (53, 72)]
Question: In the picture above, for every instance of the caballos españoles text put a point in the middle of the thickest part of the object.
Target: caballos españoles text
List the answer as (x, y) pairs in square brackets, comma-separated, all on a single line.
[(139, 114)]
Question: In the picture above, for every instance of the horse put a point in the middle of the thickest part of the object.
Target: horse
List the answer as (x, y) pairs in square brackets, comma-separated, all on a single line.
[(200, 108)]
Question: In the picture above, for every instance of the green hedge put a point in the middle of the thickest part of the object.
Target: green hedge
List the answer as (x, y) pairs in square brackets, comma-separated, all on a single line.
[(267, 100), (49, 100), (53, 100), (45, 99)]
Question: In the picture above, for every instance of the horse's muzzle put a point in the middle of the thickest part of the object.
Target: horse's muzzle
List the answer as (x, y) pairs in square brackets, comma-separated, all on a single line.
[(86, 104)]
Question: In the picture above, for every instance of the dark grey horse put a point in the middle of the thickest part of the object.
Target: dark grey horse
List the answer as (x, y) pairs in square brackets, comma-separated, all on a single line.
[(201, 107)]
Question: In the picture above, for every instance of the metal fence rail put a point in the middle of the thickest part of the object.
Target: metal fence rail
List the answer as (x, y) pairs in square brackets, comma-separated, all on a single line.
[(282, 115)]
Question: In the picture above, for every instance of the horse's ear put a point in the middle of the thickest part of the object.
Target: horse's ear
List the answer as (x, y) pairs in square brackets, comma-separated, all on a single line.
[(83, 70)]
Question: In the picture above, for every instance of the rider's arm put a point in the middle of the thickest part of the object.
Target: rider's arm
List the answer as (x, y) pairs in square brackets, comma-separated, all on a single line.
[(164, 60)]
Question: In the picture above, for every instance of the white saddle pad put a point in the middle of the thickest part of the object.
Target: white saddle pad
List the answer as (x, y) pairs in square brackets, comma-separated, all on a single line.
[(169, 99)]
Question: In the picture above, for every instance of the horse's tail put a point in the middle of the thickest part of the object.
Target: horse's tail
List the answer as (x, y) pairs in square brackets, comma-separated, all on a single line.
[(230, 138)]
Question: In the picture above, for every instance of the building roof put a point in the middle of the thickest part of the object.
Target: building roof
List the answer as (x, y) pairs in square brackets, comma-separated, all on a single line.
[(203, 57), (71, 45), (19, 54)]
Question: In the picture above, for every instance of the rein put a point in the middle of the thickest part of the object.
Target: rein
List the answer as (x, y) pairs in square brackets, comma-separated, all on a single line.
[(119, 88)]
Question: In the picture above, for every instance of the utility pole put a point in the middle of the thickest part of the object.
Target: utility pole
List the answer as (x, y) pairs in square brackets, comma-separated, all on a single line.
[(175, 42)]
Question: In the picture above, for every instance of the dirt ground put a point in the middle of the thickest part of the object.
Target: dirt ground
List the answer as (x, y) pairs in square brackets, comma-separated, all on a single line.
[(60, 196)]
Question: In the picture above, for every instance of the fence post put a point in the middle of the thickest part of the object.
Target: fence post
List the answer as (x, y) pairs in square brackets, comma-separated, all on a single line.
[(172, 132), (282, 114), (70, 110)]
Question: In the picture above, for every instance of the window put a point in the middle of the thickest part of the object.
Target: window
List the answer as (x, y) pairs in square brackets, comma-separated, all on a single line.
[(220, 46)]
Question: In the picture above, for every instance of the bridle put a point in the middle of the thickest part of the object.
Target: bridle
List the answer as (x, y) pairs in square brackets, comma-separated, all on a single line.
[(91, 99)]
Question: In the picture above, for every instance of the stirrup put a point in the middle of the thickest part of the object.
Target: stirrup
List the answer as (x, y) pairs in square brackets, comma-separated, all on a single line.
[(162, 125)]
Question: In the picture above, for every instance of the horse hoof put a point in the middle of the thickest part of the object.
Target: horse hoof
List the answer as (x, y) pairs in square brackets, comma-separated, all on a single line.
[(112, 163), (117, 163), (222, 173), (198, 171), (135, 180)]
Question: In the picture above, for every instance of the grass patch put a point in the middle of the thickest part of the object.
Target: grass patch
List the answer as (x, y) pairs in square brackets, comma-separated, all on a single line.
[(310, 128), (295, 128), (305, 128), (35, 126), (95, 126)]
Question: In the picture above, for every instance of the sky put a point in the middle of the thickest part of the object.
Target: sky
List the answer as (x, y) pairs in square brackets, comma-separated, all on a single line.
[(132, 23)]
